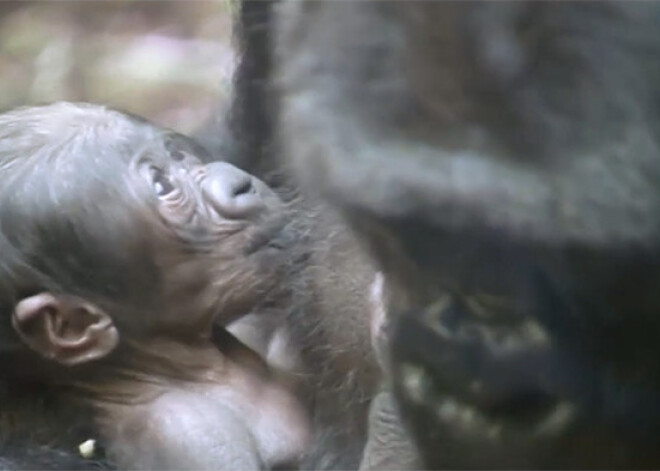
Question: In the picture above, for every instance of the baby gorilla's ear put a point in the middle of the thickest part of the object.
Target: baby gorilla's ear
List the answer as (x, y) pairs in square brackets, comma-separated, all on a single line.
[(66, 329)]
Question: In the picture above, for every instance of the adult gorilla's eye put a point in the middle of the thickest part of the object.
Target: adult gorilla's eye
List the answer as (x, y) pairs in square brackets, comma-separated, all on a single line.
[(162, 184)]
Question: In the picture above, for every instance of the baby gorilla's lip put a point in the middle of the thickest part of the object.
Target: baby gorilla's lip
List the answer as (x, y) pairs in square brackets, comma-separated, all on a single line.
[(272, 234)]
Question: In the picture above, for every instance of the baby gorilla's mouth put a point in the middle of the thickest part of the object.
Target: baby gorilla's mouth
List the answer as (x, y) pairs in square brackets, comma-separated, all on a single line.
[(272, 234)]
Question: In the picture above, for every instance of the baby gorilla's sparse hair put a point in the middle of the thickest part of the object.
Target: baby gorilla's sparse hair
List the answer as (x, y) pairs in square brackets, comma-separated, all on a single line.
[(70, 220)]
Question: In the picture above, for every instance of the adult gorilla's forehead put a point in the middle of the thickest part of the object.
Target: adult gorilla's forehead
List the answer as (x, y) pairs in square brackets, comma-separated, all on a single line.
[(411, 123)]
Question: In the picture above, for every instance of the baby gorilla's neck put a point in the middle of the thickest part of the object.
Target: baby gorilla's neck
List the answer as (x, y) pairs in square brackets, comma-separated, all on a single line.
[(227, 411)]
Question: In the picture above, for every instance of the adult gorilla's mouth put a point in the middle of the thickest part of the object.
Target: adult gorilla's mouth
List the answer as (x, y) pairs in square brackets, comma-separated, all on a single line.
[(505, 367), (479, 369)]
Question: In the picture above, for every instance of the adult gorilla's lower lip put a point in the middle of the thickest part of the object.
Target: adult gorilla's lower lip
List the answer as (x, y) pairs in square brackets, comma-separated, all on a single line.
[(503, 366)]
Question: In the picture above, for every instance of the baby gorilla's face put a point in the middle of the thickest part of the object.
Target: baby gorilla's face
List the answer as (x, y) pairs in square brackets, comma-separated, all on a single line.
[(227, 243), (116, 227)]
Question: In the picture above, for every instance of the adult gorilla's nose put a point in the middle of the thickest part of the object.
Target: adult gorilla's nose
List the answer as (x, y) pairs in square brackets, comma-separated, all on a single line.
[(233, 193)]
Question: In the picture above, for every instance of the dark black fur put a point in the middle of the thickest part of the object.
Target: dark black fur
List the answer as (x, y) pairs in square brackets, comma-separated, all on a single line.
[(501, 161), (40, 431)]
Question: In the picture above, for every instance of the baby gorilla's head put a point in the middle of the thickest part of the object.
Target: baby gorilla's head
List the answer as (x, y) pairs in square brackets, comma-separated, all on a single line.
[(112, 226)]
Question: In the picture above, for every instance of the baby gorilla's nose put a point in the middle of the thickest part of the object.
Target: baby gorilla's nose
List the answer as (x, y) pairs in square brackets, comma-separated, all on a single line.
[(233, 193)]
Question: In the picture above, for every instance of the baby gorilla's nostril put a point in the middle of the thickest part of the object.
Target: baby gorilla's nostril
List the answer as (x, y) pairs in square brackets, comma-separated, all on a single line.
[(243, 187), (233, 193)]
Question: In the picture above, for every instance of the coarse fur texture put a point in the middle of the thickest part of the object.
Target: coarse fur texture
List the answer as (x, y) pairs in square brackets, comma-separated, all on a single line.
[(500, 160)]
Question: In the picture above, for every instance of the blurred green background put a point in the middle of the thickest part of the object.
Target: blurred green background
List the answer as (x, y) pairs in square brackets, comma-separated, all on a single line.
[(170, 61)]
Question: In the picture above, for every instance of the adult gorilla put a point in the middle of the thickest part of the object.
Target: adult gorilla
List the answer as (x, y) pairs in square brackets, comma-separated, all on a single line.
[(501, 160)]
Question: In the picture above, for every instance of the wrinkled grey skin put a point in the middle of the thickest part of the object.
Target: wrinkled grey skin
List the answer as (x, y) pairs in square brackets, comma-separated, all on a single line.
[(501, 163)]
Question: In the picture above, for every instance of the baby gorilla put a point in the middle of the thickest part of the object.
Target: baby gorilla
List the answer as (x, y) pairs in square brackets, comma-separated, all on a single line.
[(119, 253)]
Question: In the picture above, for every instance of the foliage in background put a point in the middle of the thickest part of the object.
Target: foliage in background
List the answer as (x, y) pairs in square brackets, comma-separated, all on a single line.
[(170, 61)]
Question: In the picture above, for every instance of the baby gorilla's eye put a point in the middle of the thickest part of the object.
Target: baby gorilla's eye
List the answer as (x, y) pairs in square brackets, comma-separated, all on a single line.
[(161, 183), (177, 155)]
